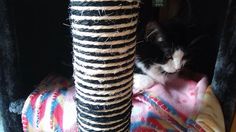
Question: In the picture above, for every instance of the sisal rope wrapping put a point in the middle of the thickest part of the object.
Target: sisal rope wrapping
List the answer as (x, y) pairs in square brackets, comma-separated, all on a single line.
[(104, 33)]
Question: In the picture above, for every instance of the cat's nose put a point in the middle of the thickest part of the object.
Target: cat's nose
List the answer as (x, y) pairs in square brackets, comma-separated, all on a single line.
[(177, 68)]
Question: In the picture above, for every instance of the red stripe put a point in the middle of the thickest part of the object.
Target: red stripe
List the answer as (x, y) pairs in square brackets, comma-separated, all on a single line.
[(54, 96), (58, 114), (160, 104), (24, 122), (165, 108), (42, 109), (33, 99), (182, 116), (155, 122)]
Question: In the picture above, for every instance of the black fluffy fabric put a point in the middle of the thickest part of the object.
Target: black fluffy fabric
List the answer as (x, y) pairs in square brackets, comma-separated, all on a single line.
[(8, 66), (224, 80), (43, 43)]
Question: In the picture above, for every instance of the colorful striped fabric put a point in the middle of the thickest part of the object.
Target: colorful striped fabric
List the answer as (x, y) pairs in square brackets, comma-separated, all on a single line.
[(52, 108), (161, 116)]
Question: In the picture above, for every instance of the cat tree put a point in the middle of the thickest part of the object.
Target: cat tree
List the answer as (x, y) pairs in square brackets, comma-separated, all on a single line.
[(97, 73), (103, 45)]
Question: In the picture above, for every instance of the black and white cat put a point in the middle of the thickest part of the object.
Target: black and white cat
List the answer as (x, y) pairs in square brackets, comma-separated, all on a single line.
[(159, 56)]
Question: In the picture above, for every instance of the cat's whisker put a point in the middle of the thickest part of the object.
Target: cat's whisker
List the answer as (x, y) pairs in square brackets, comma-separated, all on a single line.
[(195, 40), (139, 42), (152, 32)]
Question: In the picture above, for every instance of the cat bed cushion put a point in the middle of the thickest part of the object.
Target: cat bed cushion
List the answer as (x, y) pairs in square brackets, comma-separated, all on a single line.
[(179, 106)]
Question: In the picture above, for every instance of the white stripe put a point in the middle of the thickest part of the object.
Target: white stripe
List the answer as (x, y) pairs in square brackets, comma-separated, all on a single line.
[(83, 130), (104, 103), (104, 98), (103, 86), (104, 7), (116, 42), (103, 57), (99, 123), (122, 129), (112, 115), (102, 78), (95, 71), (111, 50), (111, 34), (101, 129), (95, 91), (109, 110), (27, 102), (37, 108), (82, 63), (78, 18), (85, 76), (118, 26)]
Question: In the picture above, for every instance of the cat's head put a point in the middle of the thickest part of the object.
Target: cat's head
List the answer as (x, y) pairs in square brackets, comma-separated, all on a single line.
[(161, 52)]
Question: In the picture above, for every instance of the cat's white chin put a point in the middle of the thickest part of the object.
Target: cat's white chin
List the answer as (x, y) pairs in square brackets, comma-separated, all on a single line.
[(162, 78), (156, 74)]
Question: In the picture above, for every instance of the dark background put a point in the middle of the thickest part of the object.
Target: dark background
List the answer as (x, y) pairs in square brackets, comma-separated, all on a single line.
[(44, 42), (43, 38)]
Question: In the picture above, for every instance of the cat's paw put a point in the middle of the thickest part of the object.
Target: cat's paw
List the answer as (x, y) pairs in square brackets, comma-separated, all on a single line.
[(141, 82)]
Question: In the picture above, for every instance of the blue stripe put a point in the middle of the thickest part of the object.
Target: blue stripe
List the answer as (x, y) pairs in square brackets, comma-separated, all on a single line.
[(45, 96), (170, 108), (30, 114), (153, 115)]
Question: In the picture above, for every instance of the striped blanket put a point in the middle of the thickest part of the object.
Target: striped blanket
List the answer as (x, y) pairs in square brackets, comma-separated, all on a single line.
[(184, 105)]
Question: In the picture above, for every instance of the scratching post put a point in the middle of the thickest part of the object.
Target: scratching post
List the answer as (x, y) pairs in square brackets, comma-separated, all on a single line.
[(104, 34)]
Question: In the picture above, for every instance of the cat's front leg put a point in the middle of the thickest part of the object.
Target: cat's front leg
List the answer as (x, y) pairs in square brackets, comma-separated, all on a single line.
[(141, 82)]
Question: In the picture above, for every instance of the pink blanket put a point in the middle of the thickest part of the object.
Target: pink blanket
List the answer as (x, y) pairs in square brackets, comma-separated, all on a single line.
[(159, 108), (172, 107)]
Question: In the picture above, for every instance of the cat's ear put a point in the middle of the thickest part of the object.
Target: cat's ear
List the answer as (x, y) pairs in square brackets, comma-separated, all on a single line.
[(153, 32)]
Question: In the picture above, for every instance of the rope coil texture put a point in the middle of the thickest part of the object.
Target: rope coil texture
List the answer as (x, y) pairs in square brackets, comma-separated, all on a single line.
[(104, 39)]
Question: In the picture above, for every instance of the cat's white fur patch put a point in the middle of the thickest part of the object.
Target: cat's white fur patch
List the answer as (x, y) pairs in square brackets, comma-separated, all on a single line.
[(152, 72), (141, 82), (172, 66), (176, 63)]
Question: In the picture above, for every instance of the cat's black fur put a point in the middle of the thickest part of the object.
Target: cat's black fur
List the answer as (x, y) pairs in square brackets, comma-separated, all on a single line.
[(149, 50), (156, 46)]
